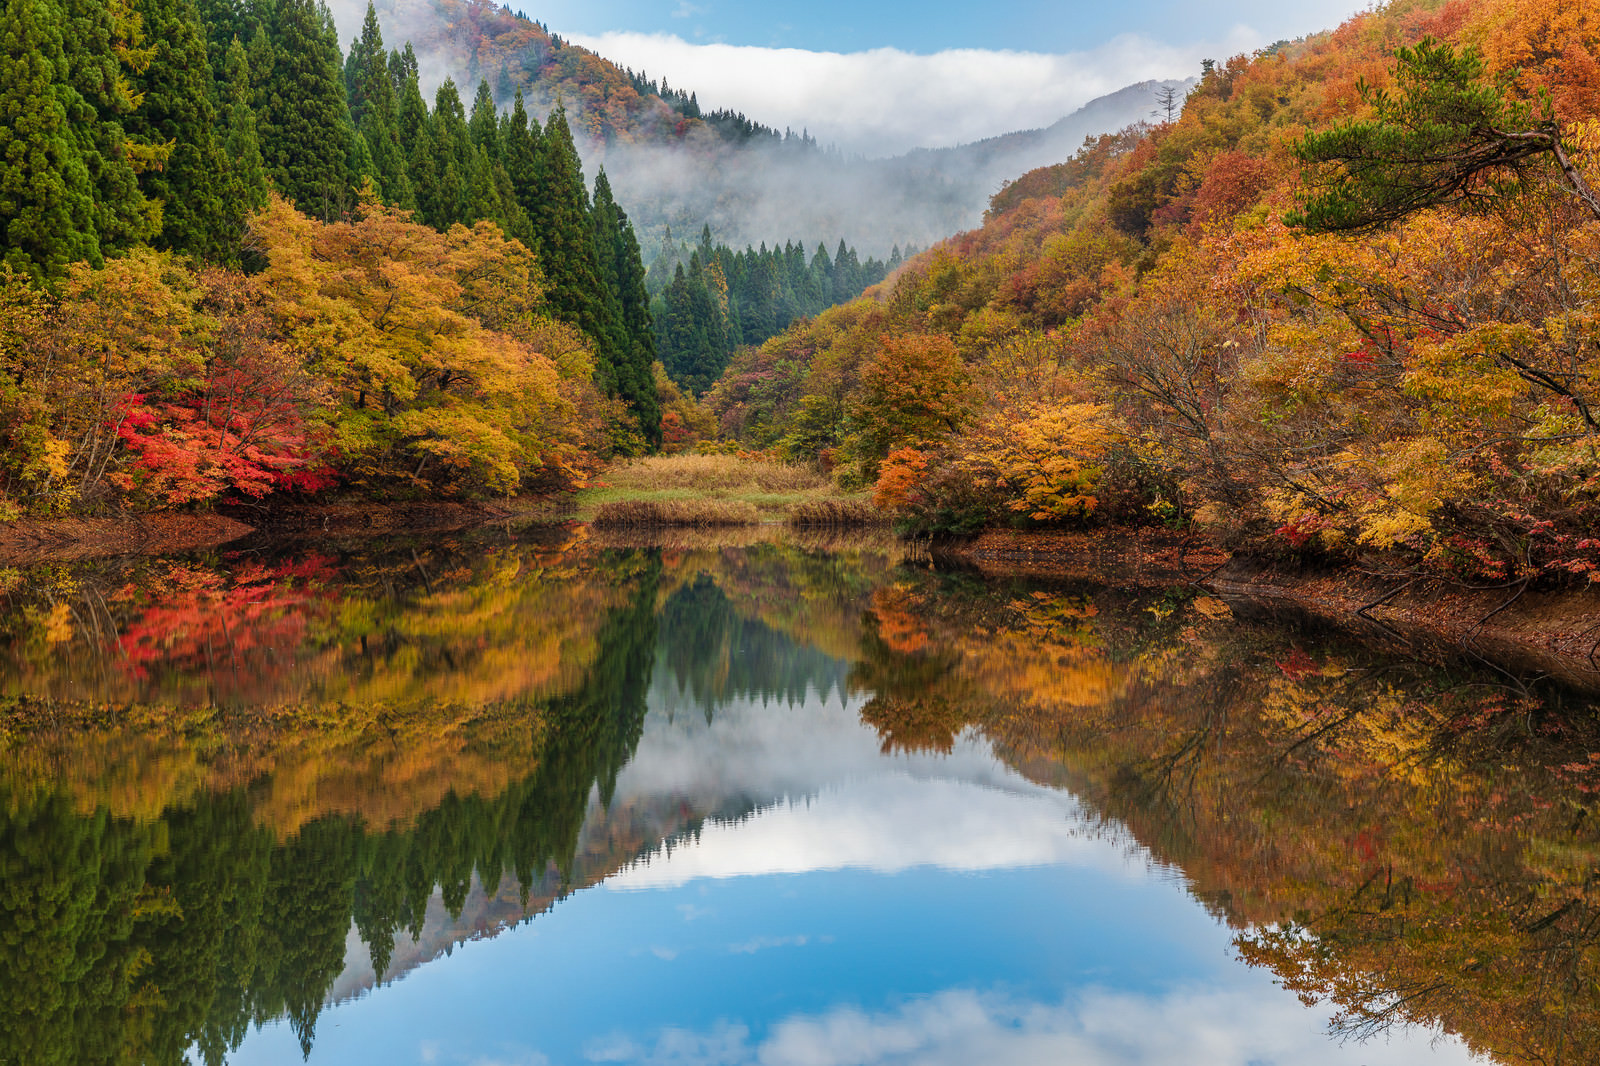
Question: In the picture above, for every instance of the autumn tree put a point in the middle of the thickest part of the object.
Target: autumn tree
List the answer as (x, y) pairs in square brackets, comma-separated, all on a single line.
[(422, 393), (913, 390)]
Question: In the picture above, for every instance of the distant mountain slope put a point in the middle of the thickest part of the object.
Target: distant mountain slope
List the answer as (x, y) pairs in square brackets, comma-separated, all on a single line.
[(994, 161), (673, 165)]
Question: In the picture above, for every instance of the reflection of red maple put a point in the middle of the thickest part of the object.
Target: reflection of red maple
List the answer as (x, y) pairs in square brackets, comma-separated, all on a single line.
[(1298, 665), (240, 627)]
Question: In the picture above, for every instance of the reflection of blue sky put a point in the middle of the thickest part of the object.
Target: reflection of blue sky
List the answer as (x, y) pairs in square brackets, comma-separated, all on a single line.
[(875, 910)]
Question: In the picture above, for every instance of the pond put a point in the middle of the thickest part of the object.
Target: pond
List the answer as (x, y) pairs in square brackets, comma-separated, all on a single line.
[(527, 796)]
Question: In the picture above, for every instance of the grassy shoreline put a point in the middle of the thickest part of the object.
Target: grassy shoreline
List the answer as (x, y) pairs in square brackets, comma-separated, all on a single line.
[(718, 491)]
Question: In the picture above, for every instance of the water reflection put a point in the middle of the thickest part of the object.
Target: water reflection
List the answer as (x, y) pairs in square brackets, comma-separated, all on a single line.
[(841, 810)]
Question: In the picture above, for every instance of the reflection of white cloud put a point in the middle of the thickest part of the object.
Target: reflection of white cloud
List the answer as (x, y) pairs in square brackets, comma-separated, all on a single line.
[(768, 751), (892, 823), (960, 1027), (761, 943), (830, 799), (520, 1057), (885, 101)]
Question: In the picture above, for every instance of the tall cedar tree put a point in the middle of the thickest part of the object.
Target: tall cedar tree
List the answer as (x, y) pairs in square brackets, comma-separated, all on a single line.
[(520, 147), (484, 128), (458, 186), (46, 197), (241, 146), (564, 239), (102, 45), (375, 112), (623, 272), (691, 331), (201, 215), (304, 122), (411, 111)]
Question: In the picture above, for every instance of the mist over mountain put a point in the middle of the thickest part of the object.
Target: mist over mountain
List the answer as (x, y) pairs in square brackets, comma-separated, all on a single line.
[(775, 190), (673, 166)]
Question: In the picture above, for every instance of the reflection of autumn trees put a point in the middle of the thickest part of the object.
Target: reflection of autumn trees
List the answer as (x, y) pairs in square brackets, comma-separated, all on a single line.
[(215, 854), (370, 684), (1410, 844), (133, 939)]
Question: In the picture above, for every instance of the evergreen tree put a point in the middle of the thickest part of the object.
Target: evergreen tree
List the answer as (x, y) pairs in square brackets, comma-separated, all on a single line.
[(46, 197), (240, 145), (520, 150), (304, 122), (435, 183), (102, 45), (565, 243), (623, 273), (484, 125), (846, 283), (374, 110), (263, 57), (690, 333), (200, 214), (484, 128), (411, 109), (465, 191)]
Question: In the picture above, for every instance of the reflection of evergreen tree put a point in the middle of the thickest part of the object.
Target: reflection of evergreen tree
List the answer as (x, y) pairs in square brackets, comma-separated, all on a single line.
[(304, 921), (70, 890), (594, 733), (203, 949), (713, 653)]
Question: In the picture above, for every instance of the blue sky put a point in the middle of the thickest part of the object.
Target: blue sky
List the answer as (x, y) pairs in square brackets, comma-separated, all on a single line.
[(936, 25)]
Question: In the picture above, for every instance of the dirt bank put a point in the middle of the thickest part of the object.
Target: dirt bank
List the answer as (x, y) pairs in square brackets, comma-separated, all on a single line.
[(1531, 633), (46, 540)]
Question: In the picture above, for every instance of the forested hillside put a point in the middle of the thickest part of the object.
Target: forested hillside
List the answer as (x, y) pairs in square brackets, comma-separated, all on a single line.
[(1344, 303), (237, 262), (709, 301)]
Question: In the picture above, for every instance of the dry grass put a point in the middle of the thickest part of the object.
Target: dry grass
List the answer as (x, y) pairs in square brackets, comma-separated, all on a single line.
[(838, 513), (712, 490), (875, 539), (714, 475)]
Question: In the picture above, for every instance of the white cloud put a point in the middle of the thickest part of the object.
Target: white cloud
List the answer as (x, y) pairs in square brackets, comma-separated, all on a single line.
[(1232, 1027), (885, 101)]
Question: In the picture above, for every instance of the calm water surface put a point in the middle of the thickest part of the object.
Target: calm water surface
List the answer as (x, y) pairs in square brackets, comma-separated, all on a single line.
[(526, 799)]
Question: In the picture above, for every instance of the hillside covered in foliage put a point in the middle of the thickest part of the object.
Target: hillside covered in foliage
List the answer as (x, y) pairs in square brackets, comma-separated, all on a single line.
[(237, 262), (1344, 303)]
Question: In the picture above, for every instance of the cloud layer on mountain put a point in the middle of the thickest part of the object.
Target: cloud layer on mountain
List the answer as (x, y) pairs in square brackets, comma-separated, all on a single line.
[(886, 101)]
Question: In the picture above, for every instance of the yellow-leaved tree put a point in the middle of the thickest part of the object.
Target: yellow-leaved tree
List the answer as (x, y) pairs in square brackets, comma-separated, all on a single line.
[(444, 375)]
